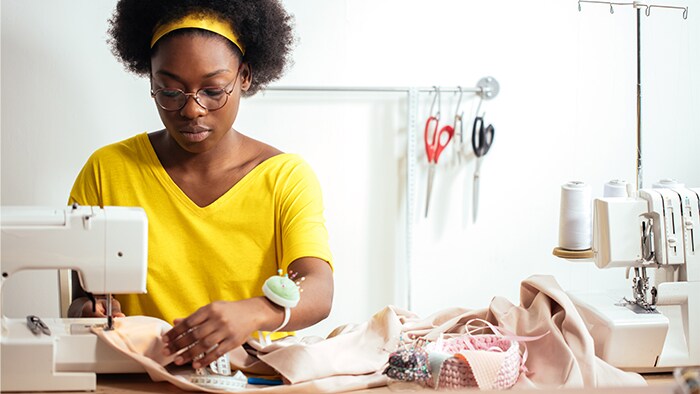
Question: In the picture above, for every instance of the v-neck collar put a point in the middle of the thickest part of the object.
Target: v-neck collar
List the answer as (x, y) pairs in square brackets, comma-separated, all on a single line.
[(177, 193)]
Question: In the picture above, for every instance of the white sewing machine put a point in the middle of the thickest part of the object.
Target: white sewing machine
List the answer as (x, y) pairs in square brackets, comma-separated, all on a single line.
[(658, 328), (108, 247)]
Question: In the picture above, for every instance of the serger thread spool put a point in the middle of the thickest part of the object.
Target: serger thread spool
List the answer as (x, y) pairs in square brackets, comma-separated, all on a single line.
[(575, 217), (615, 188), (667, 184)]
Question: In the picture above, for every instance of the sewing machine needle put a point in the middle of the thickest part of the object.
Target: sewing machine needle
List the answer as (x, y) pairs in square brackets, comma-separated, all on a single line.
[(110, 320)]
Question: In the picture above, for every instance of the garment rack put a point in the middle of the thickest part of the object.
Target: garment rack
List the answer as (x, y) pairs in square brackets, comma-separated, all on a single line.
[(487, 88)]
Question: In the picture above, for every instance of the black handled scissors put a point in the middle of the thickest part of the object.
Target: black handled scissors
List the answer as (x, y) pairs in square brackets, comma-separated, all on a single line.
[(482, 138)]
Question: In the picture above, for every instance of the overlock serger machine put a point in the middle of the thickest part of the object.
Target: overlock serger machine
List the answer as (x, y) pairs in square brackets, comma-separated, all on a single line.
[(108, 248), (655, 236)]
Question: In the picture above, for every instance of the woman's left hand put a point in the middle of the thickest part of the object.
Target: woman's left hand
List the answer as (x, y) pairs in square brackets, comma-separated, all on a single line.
[(212, 331)]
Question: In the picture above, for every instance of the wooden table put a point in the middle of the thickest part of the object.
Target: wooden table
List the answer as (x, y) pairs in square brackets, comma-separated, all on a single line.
[(141, 383)]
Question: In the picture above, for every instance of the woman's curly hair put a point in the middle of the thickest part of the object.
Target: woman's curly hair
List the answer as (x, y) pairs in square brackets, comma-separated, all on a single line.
[(263, 26)]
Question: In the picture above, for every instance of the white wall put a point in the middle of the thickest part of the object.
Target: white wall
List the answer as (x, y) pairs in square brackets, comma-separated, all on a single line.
[(566, 111)]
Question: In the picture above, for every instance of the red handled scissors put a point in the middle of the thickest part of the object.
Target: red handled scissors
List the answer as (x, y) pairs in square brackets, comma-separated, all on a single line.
[(435, 143)]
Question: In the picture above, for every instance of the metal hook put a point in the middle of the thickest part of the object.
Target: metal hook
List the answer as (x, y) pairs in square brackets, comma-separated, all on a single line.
[(478, 107), (637, 5), (459, 100), (650, 6), (459, 118), (439, 100)]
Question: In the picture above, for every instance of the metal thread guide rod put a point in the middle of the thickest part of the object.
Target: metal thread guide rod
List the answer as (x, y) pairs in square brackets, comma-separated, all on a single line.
[(640, 287), (647, 11)]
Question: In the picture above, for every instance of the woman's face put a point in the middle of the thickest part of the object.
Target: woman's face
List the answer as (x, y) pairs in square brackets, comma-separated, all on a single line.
[(190, 62)]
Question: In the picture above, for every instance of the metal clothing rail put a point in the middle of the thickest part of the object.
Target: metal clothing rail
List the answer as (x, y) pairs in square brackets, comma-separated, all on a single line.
[(377, 89), (637, 5), (487, 88)]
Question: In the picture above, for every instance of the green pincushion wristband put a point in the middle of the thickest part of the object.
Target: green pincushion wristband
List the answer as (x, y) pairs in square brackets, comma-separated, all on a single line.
[(283, 291)]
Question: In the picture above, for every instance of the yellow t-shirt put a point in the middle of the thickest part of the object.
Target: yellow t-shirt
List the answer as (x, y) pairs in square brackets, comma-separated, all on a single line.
[(224, 251)]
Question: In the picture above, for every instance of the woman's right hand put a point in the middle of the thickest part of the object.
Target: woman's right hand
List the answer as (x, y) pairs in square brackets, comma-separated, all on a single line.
[(82, 307)]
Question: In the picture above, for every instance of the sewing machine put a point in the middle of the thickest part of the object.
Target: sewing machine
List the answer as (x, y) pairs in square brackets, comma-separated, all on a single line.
[(108, 247), (658, 327)]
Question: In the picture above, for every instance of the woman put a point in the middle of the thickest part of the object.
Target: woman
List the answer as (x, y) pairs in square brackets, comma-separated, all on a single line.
[(225, 211)]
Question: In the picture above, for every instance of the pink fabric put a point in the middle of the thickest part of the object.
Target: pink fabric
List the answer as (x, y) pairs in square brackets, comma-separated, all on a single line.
[(352, 357)]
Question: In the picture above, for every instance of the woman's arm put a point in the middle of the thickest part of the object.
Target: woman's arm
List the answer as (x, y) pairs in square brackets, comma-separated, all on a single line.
[(221, 326)]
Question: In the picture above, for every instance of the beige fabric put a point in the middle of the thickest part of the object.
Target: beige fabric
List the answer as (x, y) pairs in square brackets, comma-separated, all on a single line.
[(353, 356)]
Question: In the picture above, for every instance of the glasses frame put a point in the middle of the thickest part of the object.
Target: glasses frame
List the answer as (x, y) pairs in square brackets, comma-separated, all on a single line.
[(195, 96)]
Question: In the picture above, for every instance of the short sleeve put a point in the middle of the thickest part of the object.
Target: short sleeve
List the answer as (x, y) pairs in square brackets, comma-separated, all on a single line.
[(302, 223), (86, 187)]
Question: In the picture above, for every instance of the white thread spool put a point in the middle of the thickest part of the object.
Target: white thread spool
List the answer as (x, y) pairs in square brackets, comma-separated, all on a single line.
[(615, 188), (667, 184), (575, 218)]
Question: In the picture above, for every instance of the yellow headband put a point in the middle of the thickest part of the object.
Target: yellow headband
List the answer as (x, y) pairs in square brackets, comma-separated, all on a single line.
[(198, 21)]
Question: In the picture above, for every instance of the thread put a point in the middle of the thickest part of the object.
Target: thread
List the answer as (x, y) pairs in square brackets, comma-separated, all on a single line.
[(615, 188), (667, 184), (575, 217)]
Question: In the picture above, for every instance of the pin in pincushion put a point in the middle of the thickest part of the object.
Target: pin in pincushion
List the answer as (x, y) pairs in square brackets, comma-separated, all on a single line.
[(282, 291)]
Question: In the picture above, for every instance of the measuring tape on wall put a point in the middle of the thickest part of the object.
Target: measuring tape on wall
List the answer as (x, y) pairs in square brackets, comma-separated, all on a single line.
[(411, 159)]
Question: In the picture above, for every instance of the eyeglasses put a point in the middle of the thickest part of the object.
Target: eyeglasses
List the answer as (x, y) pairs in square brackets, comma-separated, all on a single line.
[(210, 98)]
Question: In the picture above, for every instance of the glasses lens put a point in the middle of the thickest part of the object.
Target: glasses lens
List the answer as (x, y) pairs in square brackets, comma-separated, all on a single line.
[(174, 99), (212, 98), (170, 99)]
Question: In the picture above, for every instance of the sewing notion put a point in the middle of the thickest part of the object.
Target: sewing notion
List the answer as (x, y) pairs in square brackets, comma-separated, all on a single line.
[(108, 248), (218, 376), (436, 138), (282, 290), (482, 138), (488, 361)]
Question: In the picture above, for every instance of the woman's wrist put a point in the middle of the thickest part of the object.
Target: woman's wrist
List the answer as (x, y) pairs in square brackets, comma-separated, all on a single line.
[(270, 315)]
